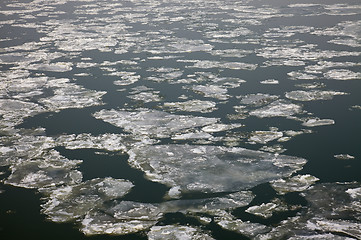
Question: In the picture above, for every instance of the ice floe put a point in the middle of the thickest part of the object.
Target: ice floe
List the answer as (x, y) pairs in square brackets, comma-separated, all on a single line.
[(342, 74), (297, 183), (177, 233), (246, 228), (270, 81), (278, 108), (266, 210), (257, 99), (312, 95), (74, 201), (192, 106), (48, 169), (219, 169), (344, 156), (152, 123), (333, 213), (13, 112), (263, 137), (315, 122), (122, 218)]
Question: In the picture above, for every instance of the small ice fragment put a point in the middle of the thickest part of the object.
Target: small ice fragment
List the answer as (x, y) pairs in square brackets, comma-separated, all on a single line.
[(266, 210), (314, 122), (152, 123), (270, 81), (344, 156)]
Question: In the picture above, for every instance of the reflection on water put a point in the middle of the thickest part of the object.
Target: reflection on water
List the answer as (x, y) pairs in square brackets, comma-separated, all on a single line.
[(150, 119)]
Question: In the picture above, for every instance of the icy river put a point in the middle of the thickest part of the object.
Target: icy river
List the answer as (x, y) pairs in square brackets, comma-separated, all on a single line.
[(180, 119)]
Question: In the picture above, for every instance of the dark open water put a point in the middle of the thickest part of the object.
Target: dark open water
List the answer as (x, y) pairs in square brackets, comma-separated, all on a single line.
[(131, 119)]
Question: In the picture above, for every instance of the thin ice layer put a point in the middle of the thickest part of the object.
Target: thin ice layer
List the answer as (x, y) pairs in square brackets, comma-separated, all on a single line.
[(211, 168), (152, 123)]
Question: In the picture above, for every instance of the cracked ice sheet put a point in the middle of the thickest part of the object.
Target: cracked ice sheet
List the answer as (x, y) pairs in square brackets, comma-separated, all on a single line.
[(70, 95), (124, 217), (152, 123), (13, 112), (75, 201), (324, 219), (49, 169), (175, 232), (108, 141), (218, 169), (249, 229)]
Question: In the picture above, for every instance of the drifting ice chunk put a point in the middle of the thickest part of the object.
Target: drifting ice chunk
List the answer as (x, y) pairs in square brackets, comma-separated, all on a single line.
[(246, 228), (312, 95), (109, 142), (69, 95), (211, 168), (266, 210), (264, 136), (51, 169), (151, 122), (258, 99), (270, 81), (72, 202), (12, 112), (279, 108), (192, 106), (297, 183), (213, 91), (123, 218), (52, 67), (314, 122), (344, 156), (175, 232), (342, 74), (218, 127)]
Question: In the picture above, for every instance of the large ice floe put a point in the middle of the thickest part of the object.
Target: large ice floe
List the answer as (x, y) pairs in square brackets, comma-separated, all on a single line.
[(210, 168), (152, 123)]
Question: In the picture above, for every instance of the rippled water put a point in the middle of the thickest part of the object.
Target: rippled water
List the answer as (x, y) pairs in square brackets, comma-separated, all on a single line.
[(149, 119)]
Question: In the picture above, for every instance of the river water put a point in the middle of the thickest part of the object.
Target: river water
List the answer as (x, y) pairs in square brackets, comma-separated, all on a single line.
[(150, 119)]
